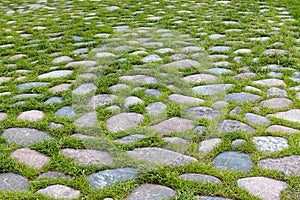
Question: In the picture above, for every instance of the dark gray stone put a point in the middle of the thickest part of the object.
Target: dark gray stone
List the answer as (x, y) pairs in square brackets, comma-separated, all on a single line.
[(13, 182), (54, 175), (202, 178)]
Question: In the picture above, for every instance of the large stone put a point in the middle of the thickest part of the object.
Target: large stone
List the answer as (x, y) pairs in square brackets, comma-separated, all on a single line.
[(25, 136), (272, 82), (242, 97), (87, 120), (66, 111), (10, 182), (276, 103), (270, 144), (132, 100), (290, 115), (123, 121), (25, 86), (211, 89), (60, 192), (62, 59), (281, 129), (182, 99), (56, 74), (101, 100), (85, 89), (256, 119), (289, 165), (202, 178), (84, 63), (139, 79), (159, 156), (265, 188), (174, 124), (201, 78), (201, 112), (151, 192), (233, 160), (106, 178), (156, 108), (229, 125), (152, 58), (181, 64), (207, 145), (31, 115)]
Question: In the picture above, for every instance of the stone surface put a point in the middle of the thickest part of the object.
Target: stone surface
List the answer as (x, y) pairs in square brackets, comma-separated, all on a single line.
[(281, 129), (242, 97), (202, 178), (60, 192), (270, 144), (289, 165), (175, 140), (152, 58), (132, 100), (54, 175), (87, 120), (276, 103), (3, 116), (151, 192), (123, 121), (256, 119), (236, 143), (201, 78), (290, 115), (139, 79), (25, 86), (13, 182), (272, 82), (31, 115), (66, 111), (156, 108), (174, 124), (202, 112), (181, 64), (56, 74), (62, 59), (265, 188), (229, 125), (182, 99), (211, 89), (207, 145), (130, 139), (101, 100), (85, 89)]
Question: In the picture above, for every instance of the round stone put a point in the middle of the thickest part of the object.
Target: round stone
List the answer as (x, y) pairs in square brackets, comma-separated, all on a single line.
[(256, 119), (151, 192), (56, 74), (156, 108), (31, 115), (201, 112), (60, 191), (85, 89), (62, 59), (152, 58), (276, 103), (132, 100), (123, 121)]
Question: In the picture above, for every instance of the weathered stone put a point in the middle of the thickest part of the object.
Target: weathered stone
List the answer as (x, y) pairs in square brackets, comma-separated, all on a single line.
[(31, 115), (256, 119), (60, 88), (270, 144), (87, 120), (104, 55), (211, 89), (84, 63), (228, 126), (54, 100), (276, 103), (272, 82), (62, 59), (152, 58), (181, 64), (281, 129), (130, 139), (56, 74), (60, 192), (153, 92), (25, 86), (201, 78), (220, 49), (156, 108), (207, 145), (242, 97), (175, 140), (219, 71), (290, 115), (84, 89), (202, 178), (151, 192), (123, 121), (65, 111), (10, 182), (273, 91), (245, 75), (132, 100), (182, 99), (275, 51), (54, 175), (101, 100), (192, 49), (139, 79), (174, 124), (201, 112), (236, 143)]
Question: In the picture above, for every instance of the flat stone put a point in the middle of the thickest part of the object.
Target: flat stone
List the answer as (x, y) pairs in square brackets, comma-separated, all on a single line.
[(216, 36), (132, 100), (264, 188), (139, 79), (181, 64), (88, 156), (245, 75), (106, 178), (202, 112), (151, 192), (18, 56), (101, 100), (153, 44), (152, 58), (130, 139), (202, 178), (84, 63), (242, 97), (123, 121), (207, 145), (256, 119), (104, 55), (175, 140), (212, 198), (236, 110), (54, 100), (192, 49), (271, 82), (273, 91), (201, 78), (25, 136), (242, 51), (156, 108), (289, 165), (219, 71), (276, 103), (56, 74), (270, 144), (164, 50), (85, 88), (87, 120), (54, 175), (25, 86), (252, 89), (152, 92), (60, 191), (65, 111), (182, 99), (62, 59), (233, 160), (228, 125), (220, 49), (10, 182), (31, 115), (3, 116), (60, 88), (281, 129), (174, 124), (30, 157), (211, 89), (159, 156), (220, 104), (275, 51), (290, 115), (117, 87)]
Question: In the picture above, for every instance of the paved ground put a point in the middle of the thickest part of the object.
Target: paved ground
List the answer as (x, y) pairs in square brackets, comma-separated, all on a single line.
[(149, 100)]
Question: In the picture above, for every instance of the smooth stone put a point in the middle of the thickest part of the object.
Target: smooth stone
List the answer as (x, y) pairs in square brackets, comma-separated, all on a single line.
[(220, 104), (151, 192), (212, 198), (87, 120), (3, 116), (25, 136), (275, 51), (228, 126), (202, 112), (62, 59), (25, 86), (132, 100), (10, 182), (130, 139), (107, 178), (56, 74), (262, 187), (221, 64), (182, 64), (219, 71), (296, 77), (236, 110), (233, 160), (272, 82), (18, 56), (273, 91), (236, 143), (242, 51), (218, 56), (174, 124), (275, 74), (290, 115), (23, 96), (178, 56), (270, 144), (207, 145), (88, 156), (30, 157), (164, 50), (104, 55), (84, 89), (245, 75), (220, 49), (152, 92), (65, 111), (139, 79), (4, 79), (281, 129), (54, 175), (242, 97), (201, 78), (123, 121), (117, 87), (256, 119), (182, 99), (202, 178), (123, 48), (152, 58), (289, 165), (101, 100), (60, 88), (216, 36), (253, 89), (156, 108), (54, 100), (31, 115), (60, 192), (175, 140), (153, 44), (192, 49), (84, 63), (276, 103), (211, 89), (159, 156)]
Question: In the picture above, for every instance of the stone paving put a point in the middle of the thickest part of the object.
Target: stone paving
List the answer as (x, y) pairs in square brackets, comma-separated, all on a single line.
[(146, 87)]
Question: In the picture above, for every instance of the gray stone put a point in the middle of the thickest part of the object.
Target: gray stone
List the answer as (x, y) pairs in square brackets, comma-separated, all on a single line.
[(271, 82), (130, 139), (276, 103), (175, 140), (88, 156), (164, 50), (25, 86), (273, 91), (233, 160), (87, 120), (156, 108), (202, 178), (236, 143), (201, 112), (60, 192), (65, 111), (236, 110), (117, 87), (207, 145), (152, 58), (201, 78), (200, 129), (25, 96), (270, 144), (85, 88), (216, 36), (182, 99), (55, 125), (60, 88), (84, 63), (220, 104), (229, 125), (264, 188), (54, 175), (245, 75), (211, 89), (106, 178), (192, 49), (219, 71), (281, 129), (56, 74), (104, 55), (10, 182), (290, 115), (132, 100), (275, 51), (151, 192), (220, 49), (242, 97), (54, 100), (31, 115), (289, 165), (159, 156), (30, 157), (123, 121), (3, 116), (181, 64), (62, 59), (139, 79), (256, 119), (153, 92), (178, 56), (174, 124), (101, 100), (212, 198), (242, 51), (25, 136)]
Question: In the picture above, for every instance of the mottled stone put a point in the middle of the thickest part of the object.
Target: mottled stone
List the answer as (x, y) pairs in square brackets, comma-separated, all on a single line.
[(228, 126), (236, 143), (276, 103), (139, 79), (175, 140), (87, 120), (31, 115), (201, 112), (273, 91), (265, 188), (236, 110), (245, 75), (181, 64), (152, 92), (123, 121), (152, 58), (60, 191), (30, 157), (151, 192), (130, 139), (10, 182), (85, 88), (65, 111), (88, 156), (211, 89), (281, 129), (54, 175), (132, 100), (56, 74), (207, 145), (290, 115), (201, 78), (220, 49), (84, 63), (270, 144), (62, 59), (174, 124), (233, 160), (156, 108), (101, 100), (242, 97), (106, 178), (182, 99), (275, 51), (159, 156), (289, 165), (256, 119), (202, 178), (60, 88), (272, 82)]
